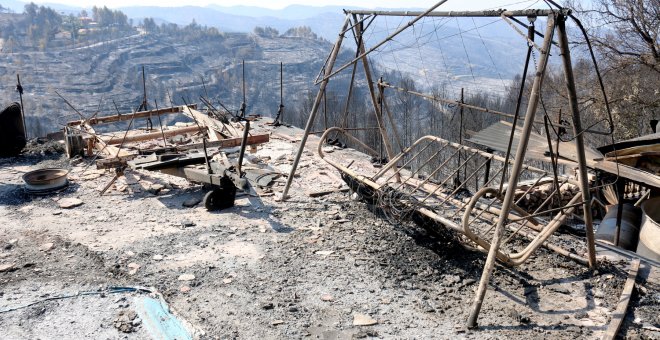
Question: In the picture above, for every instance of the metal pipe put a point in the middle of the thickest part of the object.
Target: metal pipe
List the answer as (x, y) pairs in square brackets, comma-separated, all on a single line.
[(315, 107), (513, 179), (160, 123), (389, 37), (19, 88), (377, 110), (579, 138), (530, 36), (454, 102), (490, 13), (390, 117), (243, 145)]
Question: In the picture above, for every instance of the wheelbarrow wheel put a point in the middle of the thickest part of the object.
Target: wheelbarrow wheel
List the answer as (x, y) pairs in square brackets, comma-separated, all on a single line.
[(220, 197)]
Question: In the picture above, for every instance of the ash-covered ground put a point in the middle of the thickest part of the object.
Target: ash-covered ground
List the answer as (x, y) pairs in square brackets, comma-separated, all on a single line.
[(326, 267)]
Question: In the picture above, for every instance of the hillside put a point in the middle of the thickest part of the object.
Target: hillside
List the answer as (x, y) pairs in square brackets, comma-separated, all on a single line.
[(95, 76)]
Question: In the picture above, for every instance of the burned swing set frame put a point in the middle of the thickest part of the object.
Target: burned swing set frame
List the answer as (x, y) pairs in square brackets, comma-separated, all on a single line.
[(407, 188)]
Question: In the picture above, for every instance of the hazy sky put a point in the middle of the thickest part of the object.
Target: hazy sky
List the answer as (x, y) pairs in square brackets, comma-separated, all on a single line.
[(277, 4)]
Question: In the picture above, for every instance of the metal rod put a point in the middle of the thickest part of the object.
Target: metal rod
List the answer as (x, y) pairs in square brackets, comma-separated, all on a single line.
[(390, 117), (359, 30), (530, 36), (160, 123), (487, 172), (144, 91), (207, 162), (430, 13), (389, 37), (513, 179), (243, 145), (351, 84), (460, 135), (19, 88), (349, 28), (620, 191), (71, 106), (325, 110), (579, 138), (553, 160), (125, 133), (280, 110), (454, 102), (243, 105), (315, 107)]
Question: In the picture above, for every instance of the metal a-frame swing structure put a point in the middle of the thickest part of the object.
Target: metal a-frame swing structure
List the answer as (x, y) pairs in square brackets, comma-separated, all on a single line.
[(416, 183)]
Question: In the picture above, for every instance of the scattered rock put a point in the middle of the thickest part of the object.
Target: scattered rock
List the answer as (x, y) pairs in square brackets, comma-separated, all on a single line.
[(156, 188), (57, 212), (451, 280), (363, 320), (191, 202), (69, 202), (47, 246), (426, 307), (324, 252), (327, 298), (185, 289), (227, 280), (129, 253), (598, 293), (187, 223), (267, 306), (560, 289), (133, 268), (7, 267), (277, 322), (158, 257), (186, 277), (581, 315), (90, 177), (125, 321)]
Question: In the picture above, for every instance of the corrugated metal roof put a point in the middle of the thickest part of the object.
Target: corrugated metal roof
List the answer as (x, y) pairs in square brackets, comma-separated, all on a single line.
[(497, 135)]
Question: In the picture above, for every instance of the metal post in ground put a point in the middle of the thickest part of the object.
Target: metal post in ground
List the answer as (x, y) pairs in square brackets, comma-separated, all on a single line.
[(579, 138), (515, 172), (315, 107)]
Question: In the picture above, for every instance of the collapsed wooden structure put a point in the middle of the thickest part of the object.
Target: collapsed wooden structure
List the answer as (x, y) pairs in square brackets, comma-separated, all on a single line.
[(204, 161), (484, 204)]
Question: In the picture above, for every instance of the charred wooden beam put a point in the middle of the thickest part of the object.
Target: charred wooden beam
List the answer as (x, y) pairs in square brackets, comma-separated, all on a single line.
[(128, 116), (152, 135), (228, 143)]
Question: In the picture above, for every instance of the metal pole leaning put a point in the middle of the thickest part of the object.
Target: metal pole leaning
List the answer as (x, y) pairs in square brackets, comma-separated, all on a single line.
[(579, 138), (359, 30), (419, 16), (315, 107), (515, 172)]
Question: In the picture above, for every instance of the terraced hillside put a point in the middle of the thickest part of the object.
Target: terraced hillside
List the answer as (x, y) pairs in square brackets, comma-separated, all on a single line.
[(95, 76)]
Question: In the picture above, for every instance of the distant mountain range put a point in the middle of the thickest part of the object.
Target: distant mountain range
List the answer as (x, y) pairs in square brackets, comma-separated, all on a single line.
[(322, 20), (460, 52)]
